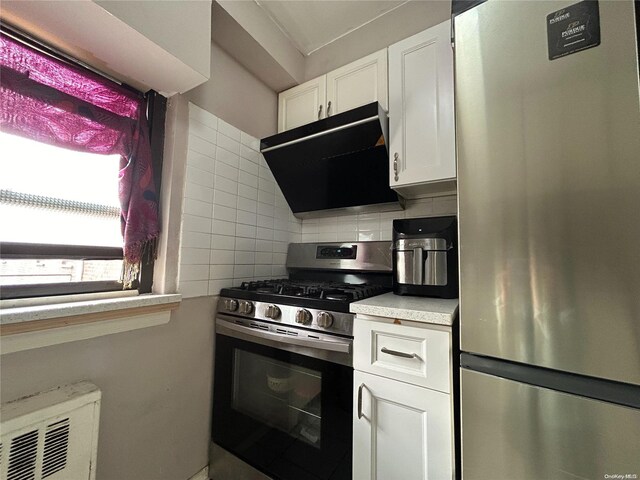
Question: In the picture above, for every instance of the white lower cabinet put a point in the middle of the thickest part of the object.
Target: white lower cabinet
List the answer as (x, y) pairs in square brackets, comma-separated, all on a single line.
[(400, 431), (403, 422)]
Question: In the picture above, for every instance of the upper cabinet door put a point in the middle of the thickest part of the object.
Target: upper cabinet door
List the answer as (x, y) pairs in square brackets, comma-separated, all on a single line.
[(359, 83), (302, 104), (421, 109)]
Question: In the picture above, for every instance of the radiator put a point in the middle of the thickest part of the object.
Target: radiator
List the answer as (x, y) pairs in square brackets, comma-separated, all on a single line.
[(51, 435)]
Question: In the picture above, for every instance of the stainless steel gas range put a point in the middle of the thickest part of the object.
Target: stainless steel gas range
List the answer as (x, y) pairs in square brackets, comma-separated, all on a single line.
[(283, 387)]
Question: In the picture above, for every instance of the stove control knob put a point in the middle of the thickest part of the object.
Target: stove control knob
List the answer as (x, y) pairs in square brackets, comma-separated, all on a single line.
[(325, 319), (272, 311), (230, 305), (246, 308), (303, 316)]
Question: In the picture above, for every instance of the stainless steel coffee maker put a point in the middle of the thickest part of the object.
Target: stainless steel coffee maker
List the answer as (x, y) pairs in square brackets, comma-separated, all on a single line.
[(425, 257)]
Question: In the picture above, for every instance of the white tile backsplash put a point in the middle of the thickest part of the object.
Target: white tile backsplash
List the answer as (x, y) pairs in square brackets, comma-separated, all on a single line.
[(201, 130), (243, 271), (248, 165), (222, 257), (247, 178), (245, 244), (228, 144), (227, 171), (202, 116), (249, 141), (196, 207), (246, 191), (236, 223), (247, 204), (195, 240), (245, 231), (226, 199), (197, 160), (223, 242), (246, 218), (194, 288), (195, 256), (192, 223), (198, 192), (228, 156), (264, 245), (250, 154), (227, 129), (194, 272), (220, 212), (220, 227), (372, 226), (202, 146), (219, 272)]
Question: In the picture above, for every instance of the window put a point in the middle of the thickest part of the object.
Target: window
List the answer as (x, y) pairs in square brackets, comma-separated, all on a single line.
[(80, 166)]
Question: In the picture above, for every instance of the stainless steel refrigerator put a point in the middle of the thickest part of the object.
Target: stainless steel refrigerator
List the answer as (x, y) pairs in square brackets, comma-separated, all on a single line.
[(548, 139)]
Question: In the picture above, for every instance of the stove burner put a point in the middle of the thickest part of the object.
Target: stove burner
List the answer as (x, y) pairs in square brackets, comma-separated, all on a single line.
[(332, 291)]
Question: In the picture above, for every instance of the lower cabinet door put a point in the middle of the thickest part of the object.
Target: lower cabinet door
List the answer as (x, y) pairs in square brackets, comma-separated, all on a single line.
[(400, 431)]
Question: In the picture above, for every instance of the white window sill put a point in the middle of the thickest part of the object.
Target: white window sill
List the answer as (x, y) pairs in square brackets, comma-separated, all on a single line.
[(34, 326)]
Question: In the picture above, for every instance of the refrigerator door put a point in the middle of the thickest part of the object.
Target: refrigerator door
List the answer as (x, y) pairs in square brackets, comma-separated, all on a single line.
[(549, 191), (513, 430)]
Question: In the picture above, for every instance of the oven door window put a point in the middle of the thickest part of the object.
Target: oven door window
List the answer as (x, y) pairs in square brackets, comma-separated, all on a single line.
[(286, 414), (280, 395)]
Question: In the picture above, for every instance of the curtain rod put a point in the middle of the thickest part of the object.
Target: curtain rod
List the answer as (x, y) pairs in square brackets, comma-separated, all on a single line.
[(32, 42)]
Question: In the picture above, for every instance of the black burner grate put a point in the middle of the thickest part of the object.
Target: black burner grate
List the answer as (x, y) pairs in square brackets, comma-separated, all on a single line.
[(306, 293)]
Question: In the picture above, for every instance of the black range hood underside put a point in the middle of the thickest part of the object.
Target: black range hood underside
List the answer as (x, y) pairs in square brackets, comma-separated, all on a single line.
[(336, 163)]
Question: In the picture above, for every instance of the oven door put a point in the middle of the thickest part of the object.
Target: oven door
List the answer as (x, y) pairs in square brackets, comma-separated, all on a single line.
[(285, 413)]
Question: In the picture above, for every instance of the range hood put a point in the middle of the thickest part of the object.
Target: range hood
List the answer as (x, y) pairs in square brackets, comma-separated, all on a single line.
[(340, 163)]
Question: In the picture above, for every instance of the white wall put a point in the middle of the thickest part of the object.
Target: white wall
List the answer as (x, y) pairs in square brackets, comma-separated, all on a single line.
[(156, 392), (235, 95), (259, 26), (87, 31), (404, 21), (181, 27)]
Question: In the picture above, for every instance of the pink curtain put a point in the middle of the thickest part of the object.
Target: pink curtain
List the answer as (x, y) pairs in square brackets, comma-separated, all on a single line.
[(50, 101)]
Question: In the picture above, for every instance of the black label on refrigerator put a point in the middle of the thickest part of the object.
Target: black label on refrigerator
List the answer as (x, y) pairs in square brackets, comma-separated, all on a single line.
[(573, 29)]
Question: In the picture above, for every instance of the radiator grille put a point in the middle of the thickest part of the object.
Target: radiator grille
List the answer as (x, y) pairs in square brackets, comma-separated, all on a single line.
[(51, 435), (56, 446), (22, 456)]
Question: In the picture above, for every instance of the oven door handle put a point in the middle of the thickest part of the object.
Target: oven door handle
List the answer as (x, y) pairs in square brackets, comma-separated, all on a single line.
[(331, 345)]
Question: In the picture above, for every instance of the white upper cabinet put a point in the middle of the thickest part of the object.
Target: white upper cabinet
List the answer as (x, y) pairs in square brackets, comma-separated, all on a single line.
[(302, 104), (358, 83), (421, 114)]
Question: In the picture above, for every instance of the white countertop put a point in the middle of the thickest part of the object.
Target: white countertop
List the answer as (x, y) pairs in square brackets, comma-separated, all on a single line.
[(439, 311), (43, 312)]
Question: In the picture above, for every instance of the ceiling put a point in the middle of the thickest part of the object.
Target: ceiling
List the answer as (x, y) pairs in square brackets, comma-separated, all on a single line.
[(311, 25)]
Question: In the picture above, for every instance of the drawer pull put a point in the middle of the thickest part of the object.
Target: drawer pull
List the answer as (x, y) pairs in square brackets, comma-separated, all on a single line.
[(360, 400), (398, 354)]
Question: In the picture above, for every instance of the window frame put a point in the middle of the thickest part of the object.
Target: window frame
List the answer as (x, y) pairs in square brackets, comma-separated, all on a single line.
[(156, 114)]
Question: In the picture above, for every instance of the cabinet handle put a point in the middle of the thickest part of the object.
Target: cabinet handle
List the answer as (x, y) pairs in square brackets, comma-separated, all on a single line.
[(395, 166), (329, 109), (320, 112), (360, 400), (398, 354)]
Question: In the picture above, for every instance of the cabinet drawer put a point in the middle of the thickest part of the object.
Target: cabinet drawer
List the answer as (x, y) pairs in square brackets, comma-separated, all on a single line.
[(419, 356)]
